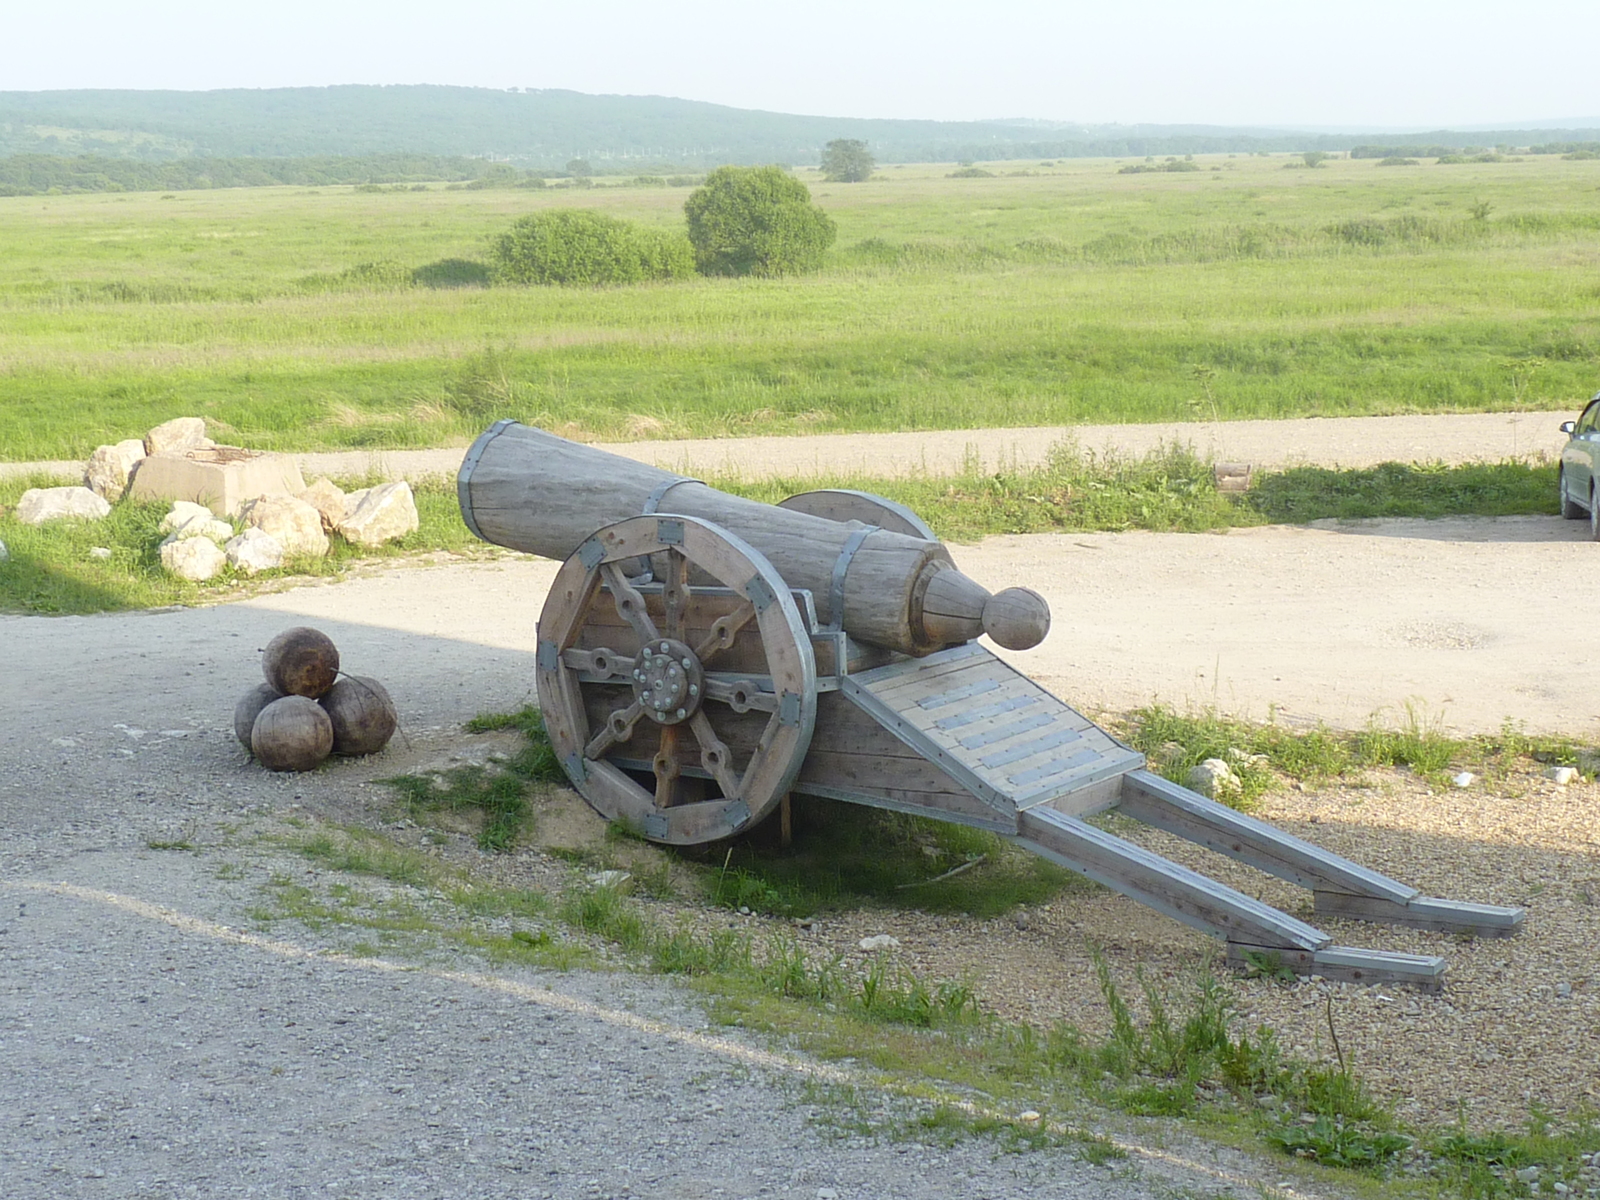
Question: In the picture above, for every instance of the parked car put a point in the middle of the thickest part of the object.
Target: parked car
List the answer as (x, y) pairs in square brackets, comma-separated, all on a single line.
[(1579, 477)]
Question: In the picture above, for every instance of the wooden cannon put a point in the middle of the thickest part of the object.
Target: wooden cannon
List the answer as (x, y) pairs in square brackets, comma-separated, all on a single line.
[(701, 656)]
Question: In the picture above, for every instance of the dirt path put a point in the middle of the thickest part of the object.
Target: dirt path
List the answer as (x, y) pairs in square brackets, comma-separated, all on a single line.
[(1341, 441)]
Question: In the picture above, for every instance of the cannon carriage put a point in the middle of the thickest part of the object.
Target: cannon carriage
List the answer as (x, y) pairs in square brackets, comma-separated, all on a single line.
[(702, 656)]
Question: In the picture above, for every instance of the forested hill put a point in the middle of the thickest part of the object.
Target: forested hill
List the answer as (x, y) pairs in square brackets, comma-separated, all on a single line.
[(546, 128)]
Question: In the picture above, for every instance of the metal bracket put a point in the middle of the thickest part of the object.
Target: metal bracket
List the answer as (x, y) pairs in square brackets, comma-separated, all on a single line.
[(577, 770), (549, 656), (652, 502), (464, 476), (841, 567), (789, 709), (669, 533), (759, 594), (591, 554), (655, 826)]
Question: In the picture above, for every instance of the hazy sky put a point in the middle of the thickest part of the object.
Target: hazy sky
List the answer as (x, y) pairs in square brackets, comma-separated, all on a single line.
[(1412, 63)]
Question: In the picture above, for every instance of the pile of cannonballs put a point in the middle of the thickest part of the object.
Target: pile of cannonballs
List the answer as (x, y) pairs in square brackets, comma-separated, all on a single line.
[(306, 711)]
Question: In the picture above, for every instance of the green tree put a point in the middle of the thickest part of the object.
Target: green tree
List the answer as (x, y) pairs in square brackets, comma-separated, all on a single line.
[(756, 221), (846, 160), (579, 168), (576, 246)]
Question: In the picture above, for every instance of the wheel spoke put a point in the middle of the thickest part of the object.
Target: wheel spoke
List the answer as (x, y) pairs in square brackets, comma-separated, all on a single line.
[(618, 728), (630, 604), (740, 693), (675, 591), (763, 747), (667, 766), (723, 631), (714, 757)]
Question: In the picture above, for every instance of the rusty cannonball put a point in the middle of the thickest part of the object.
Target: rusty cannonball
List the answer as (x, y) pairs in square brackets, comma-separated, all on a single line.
[(249, 708), (301, 662), (292, 734), (363, 716)]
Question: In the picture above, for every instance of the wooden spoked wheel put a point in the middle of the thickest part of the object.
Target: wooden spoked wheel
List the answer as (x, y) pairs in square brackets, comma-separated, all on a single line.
[(847, 504), (698, 674)]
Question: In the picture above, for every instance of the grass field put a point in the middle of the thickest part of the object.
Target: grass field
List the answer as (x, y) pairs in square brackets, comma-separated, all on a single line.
[(290, 318)]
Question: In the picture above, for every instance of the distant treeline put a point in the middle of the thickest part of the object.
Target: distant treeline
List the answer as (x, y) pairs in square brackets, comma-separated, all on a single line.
[(543, 129), (41, 174), (1402, 150)]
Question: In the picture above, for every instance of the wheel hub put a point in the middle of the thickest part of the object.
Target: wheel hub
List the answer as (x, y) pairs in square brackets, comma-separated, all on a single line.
[(668, 681)]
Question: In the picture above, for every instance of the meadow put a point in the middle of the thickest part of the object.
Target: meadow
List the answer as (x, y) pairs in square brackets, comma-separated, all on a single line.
[(301, 319)]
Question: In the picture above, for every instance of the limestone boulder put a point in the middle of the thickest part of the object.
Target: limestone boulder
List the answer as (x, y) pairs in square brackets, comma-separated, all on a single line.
[(296, 524), (328, 499), (195, 558), (110, 468), (352, 501), (384, 514), (176, 436), (254, 550), (39, 505), (205, 526), (181, 513), (1216, 779)]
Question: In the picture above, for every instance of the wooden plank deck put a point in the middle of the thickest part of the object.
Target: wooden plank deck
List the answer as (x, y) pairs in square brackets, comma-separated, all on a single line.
[(991, 726)]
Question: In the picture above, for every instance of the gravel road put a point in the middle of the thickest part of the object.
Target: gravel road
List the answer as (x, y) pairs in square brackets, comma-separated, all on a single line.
[(1334, 441), (148, 1049)]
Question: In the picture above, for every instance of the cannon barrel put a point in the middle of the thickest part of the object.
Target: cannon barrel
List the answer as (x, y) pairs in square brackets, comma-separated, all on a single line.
[(529, 490)]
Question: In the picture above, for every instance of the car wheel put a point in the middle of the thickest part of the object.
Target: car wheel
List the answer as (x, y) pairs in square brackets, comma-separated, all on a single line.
[(1594, 515), (1570, 508)]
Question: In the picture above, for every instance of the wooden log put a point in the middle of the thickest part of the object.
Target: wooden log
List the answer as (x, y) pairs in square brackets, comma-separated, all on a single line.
[(532, 491)]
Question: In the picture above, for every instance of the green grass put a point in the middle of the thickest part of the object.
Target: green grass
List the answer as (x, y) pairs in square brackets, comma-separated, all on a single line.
[(51, 568), (313, 318), (1264, 755)]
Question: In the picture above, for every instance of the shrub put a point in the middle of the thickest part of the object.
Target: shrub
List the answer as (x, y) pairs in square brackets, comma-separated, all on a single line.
[(756, 221), (1395, 160), (970, 173), (846, 160), (574, 246)]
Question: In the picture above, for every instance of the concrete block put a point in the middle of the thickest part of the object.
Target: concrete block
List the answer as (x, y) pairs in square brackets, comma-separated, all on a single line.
[(220, 477)]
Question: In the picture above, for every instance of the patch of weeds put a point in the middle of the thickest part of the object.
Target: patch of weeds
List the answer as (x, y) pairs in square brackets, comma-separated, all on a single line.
[(888, 992), (1177, 742), (947, 1125), (180, 843), (606, 913), (362, 853), (1334, 1143), (684, 951), (1419, 743), (1268, 964), (1301, 494), (847, 855)]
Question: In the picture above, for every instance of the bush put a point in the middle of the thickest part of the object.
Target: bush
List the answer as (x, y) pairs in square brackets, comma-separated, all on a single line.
[(576, 247), (756, 221)]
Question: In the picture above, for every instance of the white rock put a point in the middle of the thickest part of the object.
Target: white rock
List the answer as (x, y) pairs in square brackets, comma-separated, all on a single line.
[(1464, 780), (206, 527), (4, 553), (383, 514), (609, 879), (328, 499), (39, 505), (110, 468), (1215, 778), (1562, 775), (296, 525), (254, 550), (879, 941), (1030, 1116), (99, 551), (195, 558), (182, 512), (352, 501), (176, 436)]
